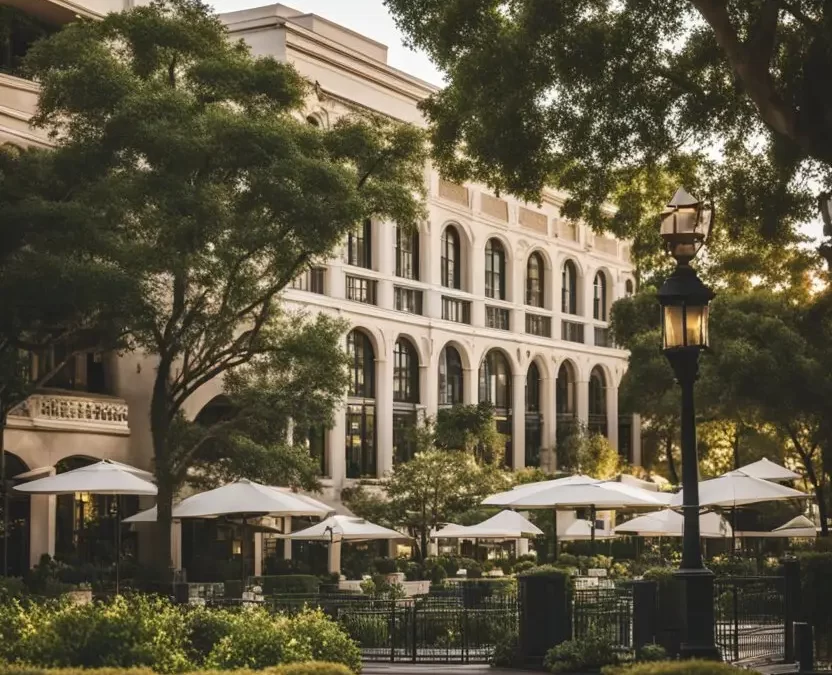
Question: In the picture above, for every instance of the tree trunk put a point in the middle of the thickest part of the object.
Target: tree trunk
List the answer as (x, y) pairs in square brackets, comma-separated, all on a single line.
[(737, 447), (165, 477), (671, 462), (820, 496)]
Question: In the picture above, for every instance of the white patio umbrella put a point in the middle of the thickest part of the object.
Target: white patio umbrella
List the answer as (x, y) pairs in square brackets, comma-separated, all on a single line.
[(102, 478), (799, 526), (345, 528), (577, 492), (583, 530), (246, 499), (737, 488), (669, 523), (765, 469), (504, 525)]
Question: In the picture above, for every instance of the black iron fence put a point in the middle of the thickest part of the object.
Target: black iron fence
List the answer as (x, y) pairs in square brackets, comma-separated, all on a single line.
[(451, 629), (605, 612), (750, 617)]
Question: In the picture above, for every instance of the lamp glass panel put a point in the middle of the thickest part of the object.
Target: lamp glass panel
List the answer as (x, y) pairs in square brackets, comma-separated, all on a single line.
[(697, 326), (674, 334)]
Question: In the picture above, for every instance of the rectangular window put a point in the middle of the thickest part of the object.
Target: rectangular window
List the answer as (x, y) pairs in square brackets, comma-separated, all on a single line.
[(497, 317), (407, 254), (361, 290), (361, 441), (456, 310), (311, 280), (404, 442), (538, 325), (360, 246), (408, 300), (572, 331), (603, 337)]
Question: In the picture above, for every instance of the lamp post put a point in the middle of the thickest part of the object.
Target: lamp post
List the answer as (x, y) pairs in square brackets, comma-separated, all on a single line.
[(684, 299)]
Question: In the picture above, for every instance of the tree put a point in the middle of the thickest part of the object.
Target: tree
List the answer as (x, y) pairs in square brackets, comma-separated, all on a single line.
[(580, 451), (194, 158), (471, 428), (610, 101)]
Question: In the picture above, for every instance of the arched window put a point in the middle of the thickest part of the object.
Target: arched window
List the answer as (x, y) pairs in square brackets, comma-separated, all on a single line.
[(360, 246), (534, 419), (628, 288), (534, 281), (569, 288), (598, 401), (407, 253), (451, 258), (405, 372), (495, 270), (361, 411), (450, 376), (495, 388), (599, 297), (405, 398), (565, 391), (363, 366), (19, 520)]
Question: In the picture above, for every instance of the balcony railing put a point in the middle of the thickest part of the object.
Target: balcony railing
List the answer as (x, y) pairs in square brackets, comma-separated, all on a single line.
[(603, 337), (538, 325), (571, 331), (497, 317), (72, 413), (456, 310)]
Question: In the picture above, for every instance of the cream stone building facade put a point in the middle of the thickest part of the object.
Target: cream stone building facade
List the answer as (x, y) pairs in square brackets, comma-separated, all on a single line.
[(492, 299)]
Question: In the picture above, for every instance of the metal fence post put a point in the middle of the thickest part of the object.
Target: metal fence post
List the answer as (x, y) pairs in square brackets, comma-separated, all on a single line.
[(804, 646), (735, 600), (415, 619), (392, 632), (645, 606), (792, 602)]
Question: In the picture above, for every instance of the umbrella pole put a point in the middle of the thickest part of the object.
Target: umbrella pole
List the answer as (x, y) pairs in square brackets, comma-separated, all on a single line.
[(243, 558), (555, 535), (118, 543), (592, 530), (733, 530)]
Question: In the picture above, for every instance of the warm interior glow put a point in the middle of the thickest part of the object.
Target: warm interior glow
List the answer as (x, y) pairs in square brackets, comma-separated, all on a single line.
[(685, 326)]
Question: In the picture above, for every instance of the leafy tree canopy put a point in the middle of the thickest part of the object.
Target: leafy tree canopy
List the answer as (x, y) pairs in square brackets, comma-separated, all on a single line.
[(193, 159), (591, 454), (621, 102)]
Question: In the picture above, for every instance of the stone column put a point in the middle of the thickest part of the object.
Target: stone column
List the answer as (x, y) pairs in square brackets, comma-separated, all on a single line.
[(336, 447), (518, 421), (334, 557), (258, 554), (548, 412), (476, 263), (429, 387), (470, 385), (176, 544), (521, 547), (384, 260), (636, 440), (41, 526), (287, 543), (384, 414), (582, 400)]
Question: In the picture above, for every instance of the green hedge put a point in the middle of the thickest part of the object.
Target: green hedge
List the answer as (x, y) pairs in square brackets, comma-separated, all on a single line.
[(149, 632), (287, 583), (309, 668), (816, 597), (692, 667)]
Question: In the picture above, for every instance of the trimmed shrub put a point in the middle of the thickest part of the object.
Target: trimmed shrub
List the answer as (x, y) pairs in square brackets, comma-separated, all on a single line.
[(438, 574), (524, 566), (311, 668), (385, 565), (692, 667), (205, 628), (257, 640), (288, 583), (651, 653), (507, 652), (579, 656), (327, 640), (307, 668)]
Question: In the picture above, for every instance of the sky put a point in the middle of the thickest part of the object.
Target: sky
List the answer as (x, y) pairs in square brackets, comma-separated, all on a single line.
[(368, 17)]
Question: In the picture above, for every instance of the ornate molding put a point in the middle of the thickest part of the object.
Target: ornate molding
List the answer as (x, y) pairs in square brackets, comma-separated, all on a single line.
[(58, 412)]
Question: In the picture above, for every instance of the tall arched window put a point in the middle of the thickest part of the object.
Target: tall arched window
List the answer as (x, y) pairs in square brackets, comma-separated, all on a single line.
[(450, 376), (599, 297), (495, 387), (565, 391), (534, 418), (405, 399), (360, 246), (569, 288), (407, 253), (361, 409), (628, 288), (405, 372), (451, 258), (495, 270), (598, 401), (534, 281)]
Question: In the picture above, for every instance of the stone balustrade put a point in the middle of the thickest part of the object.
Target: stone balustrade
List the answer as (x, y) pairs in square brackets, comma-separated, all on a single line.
[(70, 412)]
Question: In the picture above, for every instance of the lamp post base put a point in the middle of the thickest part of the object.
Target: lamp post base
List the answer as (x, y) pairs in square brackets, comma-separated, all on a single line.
[(698, 596)]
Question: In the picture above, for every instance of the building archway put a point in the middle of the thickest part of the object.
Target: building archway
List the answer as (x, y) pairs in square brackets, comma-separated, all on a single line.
[(598, 401), (534, 415), (361, 406), (451, 377), (405, 399), (495, 387)]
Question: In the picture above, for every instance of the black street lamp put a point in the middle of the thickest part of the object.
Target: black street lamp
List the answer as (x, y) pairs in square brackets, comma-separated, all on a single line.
[(684, 299)]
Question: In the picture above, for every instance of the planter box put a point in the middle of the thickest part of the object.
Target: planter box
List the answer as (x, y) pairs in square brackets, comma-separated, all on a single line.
[(79, 597)]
